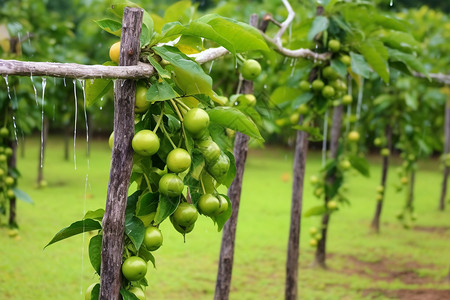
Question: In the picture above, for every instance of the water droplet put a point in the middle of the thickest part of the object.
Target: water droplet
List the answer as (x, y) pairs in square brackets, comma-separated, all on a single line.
[(35, 91), (7, 85), (75, 123), (210, 67), (391, 3), (44, 84)]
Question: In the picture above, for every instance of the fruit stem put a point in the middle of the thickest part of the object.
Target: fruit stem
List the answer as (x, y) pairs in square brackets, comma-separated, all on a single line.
[(168, 136), (176, 109), (159, 121), (182, 104), (203, 186), (148, 182)]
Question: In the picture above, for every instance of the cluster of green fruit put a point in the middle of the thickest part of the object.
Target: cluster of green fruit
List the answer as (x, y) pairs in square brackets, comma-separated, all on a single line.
[(381, 142), (380, 193), (316, 236), (7, 182), (329, 83)]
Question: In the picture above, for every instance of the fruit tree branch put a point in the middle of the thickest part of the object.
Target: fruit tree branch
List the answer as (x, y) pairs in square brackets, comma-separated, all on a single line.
[(297, 53), (438, 77)]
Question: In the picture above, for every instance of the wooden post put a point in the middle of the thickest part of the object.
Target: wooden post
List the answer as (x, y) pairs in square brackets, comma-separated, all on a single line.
[(293, 252), (226, 258), (384, 172), (121, 160), (320, 259), (446, 152)]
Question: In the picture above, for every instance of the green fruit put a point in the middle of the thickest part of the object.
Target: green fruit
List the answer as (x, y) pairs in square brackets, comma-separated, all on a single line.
[(314, 179), (223, 205), (250, 69), (220, 167), (385, 152), (145, 142), (347, 99), (334, 45), (329, 73), (313, 243), (313, 231), (171, 185), (138, 292), (178, 160), (317, 85), (8, 152), (2, 172), (134, 268), (377, 141), (305, 86), (209, 149), (182, 229), (380, 189), (346, 60), (4, 132), (153, 238), (10, 194), (250, 99), (294, 118), (9, 181), (303, 109), (3, 158), (404, 180), (208, 205), (353, 136), (185, 215), (332, 205), (196, 121), (345, 164), (141, 105), (328, 91)]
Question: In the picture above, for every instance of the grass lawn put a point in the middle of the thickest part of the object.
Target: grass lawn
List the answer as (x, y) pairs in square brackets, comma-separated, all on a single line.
[(398, 263)]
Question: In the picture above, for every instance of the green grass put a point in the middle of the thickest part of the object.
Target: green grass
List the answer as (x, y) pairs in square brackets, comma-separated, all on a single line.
[(188, 270)]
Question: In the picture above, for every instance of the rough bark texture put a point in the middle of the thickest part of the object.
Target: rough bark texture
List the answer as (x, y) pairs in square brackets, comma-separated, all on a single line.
[(121, 160), (41, 157), (301, 149), (12, 202), (320, 259), (384, 172), (226, 258), (446, 151)]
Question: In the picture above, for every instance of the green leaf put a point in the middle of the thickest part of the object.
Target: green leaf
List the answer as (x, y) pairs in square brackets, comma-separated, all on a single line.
[(95, 294), (112, 26), (147, 256), (359, 65), (189, 76), (127, 295), (242, 36), (180, 11), (74, 229), (22, 196), (284, 94), (163, 73), (319, 24), (95, 252), (223, 218), (95, 214), (411, 61), (96, 89), (229, 177), (360, 164), (131, 204), (161, 91), (339, 67), (301, 99), (375, 54), (147, 204), (166, 207), (197, 164), (314, 133), (400, 40), (135, 230), (389, 22), (315, 211), (234, 119)]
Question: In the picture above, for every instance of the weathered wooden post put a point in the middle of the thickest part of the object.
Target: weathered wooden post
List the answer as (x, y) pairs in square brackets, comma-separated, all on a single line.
[(121, 160), (240, 150)]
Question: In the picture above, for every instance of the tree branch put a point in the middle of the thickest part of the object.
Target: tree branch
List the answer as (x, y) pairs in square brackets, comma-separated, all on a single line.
[(69, 70), (438, 77)]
